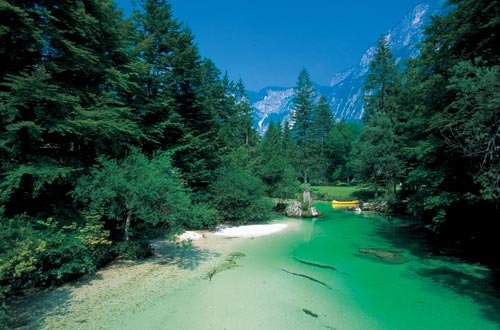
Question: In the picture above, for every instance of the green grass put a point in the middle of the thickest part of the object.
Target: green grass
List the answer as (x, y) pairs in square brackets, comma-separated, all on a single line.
[(329, 193)]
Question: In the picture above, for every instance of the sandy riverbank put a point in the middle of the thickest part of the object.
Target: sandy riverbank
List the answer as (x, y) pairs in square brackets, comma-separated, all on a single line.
[(124, 288)]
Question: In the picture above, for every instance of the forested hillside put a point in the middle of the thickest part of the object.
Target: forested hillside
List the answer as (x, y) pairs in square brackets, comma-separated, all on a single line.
[(432, 132)]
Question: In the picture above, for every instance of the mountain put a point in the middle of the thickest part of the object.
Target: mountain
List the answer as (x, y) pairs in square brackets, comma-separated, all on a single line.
[(345, 92)]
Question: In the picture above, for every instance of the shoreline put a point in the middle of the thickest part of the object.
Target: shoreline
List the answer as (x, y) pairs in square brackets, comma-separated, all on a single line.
[(124, 287)]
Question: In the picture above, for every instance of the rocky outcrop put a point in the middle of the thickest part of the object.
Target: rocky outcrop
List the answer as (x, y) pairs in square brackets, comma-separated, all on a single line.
[(295, 210), (379, 207)]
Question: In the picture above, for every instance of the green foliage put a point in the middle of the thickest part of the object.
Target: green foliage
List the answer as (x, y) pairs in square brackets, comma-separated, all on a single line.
[(85, 95), (133, 250), (58, 108), (97, 239), (136, 191), (342, 193), (303, 104), (339, 147), (274, 168), (303, 127), (280, 178), (434, 128), (238, 196), (41, 254), (323, 122), (3, 317), (376, 153), (471, 122), (382, 84)]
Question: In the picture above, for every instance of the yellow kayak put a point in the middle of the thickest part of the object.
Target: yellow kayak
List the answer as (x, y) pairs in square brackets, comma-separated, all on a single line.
[(345, 203)]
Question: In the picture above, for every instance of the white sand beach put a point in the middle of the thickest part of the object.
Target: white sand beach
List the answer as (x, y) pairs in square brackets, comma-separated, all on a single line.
[(251, 230), (188, 235)]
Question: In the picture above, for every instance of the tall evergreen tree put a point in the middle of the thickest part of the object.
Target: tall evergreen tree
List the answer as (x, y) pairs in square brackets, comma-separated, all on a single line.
[(21, 38), (273, 166), (302, 124), (58, 115), (171, 103), (154, 33), (377, 150), (287, 146), (323, 121), (339, 147), (383, 83), (377, 154)]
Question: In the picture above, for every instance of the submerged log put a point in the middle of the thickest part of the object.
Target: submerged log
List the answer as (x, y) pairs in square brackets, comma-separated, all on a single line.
[(310, 313), (307, 277), (314, 264)]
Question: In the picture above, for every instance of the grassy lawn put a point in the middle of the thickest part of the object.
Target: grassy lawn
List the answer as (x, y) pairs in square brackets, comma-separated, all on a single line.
[(329, 193)]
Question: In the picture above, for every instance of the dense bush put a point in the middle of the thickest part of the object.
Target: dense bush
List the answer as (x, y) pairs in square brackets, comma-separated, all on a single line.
[(237, 196), (137, 193), (40, 254), (133, 250)]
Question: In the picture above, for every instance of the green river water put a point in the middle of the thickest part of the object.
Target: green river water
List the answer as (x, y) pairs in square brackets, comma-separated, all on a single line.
[(426, 292)]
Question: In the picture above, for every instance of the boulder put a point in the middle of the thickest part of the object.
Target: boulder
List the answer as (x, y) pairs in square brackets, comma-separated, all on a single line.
[(294, 210)]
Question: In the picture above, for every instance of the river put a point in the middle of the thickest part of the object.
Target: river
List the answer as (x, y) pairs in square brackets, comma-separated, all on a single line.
[(312, 276)]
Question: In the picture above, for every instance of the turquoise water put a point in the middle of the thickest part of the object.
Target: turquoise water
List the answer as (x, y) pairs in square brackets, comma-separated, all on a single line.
[(271, 289)]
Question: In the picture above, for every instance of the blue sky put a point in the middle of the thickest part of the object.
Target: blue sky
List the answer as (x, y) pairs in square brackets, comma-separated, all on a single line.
[(267, 42)]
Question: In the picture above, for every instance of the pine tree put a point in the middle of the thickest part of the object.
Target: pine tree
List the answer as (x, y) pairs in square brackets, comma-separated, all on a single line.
[(302, 109), (288, 147), (383, 89), (154, 33), (302, 125), (57, 116), (462, 57), (446, 118), (339, 147), (171, 103), (377, 154), (273, 166), (323, 122), (20, 37), (382, 84)]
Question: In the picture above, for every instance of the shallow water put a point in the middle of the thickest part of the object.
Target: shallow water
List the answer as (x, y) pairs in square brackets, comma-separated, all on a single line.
[(310, 276), (272, 289)]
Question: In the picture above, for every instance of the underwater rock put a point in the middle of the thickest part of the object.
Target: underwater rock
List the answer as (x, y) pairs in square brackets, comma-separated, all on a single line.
[(229, 263), (382, 255)]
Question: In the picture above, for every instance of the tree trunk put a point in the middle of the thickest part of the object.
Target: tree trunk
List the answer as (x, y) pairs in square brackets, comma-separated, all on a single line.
[(126, 234)]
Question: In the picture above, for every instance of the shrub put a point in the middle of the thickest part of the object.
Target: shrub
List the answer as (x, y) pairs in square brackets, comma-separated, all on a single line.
[(133, 250), (237, 196), (40, 254)]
